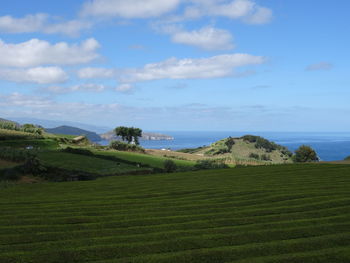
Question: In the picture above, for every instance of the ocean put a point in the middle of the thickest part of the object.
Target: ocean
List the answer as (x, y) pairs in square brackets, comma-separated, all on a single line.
[(329, 146)]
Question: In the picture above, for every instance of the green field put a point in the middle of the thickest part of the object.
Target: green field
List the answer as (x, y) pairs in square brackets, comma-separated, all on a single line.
[(290, 213), (151, 160), (37, 143), (6, 134), (84, 163)]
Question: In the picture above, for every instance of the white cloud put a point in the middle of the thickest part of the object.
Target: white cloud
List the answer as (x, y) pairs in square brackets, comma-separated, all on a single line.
[(39, 75), (319, 66), (128, 8), (126, 88), (37, 52), (92, 73), (202, 68), (87, 87), (173, 68), (42, 23), (208, 38), (246, 10)]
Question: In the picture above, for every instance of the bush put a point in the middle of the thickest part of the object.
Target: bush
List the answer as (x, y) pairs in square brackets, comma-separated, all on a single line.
[(11, 174), (254, 156), (33, 166), (229, 143), (265, 157), (210, 164), (169, 166), (216, 151), (305, 154), (122, 146), (29, 128), (261, 143), (15, 155)]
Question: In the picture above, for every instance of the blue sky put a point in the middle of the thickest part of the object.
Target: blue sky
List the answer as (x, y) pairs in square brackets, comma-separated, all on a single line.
[(240, 65)]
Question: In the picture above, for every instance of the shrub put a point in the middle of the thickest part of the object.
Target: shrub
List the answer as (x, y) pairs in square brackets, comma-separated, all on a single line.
[(305, 154), (29, 128), (11, 174), (15, 155), (122, 146), (254, 156), (261, 143), (169, 166), (265, 157), (218, 150), (210, 164), (33, 166), (229, 143)]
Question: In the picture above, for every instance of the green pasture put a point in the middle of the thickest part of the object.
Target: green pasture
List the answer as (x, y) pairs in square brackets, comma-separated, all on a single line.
[(151, 160), (43, 144), (285, 213), (85, 163)]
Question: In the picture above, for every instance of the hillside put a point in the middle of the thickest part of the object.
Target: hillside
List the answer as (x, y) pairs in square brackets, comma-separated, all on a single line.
[(69, 130), (147, 136), (282, 213), (246, 149)]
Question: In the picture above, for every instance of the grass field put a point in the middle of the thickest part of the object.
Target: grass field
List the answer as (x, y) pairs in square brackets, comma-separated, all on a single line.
[(151, 160), (15, 135), (84, 163), (291, 213), (37, 143)]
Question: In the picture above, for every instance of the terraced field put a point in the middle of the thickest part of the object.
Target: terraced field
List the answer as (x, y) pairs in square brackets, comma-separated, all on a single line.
[(292, 213), (151, 160), (88, 164)]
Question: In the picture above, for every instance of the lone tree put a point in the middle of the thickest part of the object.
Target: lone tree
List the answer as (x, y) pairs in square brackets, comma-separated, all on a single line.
[(129, 134), (305, 154)]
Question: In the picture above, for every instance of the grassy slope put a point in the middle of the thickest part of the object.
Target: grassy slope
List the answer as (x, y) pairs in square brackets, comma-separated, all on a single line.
[(154, 161), (85, 163), (11, 134), (240, 153), (293, 213)]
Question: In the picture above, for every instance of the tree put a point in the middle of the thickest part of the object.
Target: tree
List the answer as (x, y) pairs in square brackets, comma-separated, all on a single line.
[(169, 166), (129, 134), (305, 154), (229, 143)]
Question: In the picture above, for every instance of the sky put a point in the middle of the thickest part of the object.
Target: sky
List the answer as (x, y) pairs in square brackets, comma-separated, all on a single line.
[(211, 65)]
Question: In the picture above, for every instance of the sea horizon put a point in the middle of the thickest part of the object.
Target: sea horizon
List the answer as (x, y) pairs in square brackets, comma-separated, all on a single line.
[(330, 146)]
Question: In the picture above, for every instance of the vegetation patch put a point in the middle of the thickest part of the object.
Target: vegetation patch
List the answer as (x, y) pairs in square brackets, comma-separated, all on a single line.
[(122, 146)]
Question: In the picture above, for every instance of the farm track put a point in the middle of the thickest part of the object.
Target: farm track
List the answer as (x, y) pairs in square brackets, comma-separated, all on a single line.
[(290, 213)]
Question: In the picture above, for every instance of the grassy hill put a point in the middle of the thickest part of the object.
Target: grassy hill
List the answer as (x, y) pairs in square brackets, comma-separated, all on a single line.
[(68, 130), (249, 149), (282, 213)]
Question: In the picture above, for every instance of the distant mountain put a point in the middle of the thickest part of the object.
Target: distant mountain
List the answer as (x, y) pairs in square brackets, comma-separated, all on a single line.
[(146, 136), (4, 120), (69, 130), (54, 123)]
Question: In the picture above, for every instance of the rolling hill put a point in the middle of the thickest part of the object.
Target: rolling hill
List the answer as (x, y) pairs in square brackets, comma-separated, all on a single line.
[(69, 130), (246, 149)]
